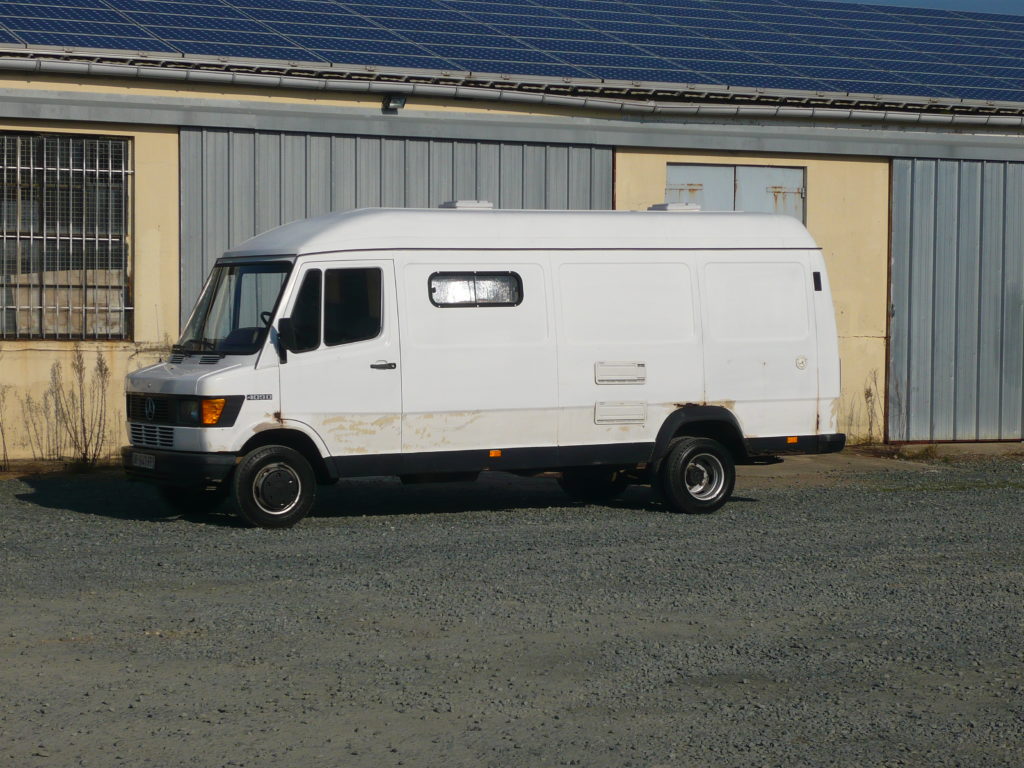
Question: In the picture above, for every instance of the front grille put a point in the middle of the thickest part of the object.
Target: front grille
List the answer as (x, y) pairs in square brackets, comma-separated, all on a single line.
[(152, 436), (160, 409)]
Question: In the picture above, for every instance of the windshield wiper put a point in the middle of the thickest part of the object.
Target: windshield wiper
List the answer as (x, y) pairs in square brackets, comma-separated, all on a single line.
[(194, 346)]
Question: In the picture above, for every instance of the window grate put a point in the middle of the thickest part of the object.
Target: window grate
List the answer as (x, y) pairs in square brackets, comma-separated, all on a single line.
[(64, 237)]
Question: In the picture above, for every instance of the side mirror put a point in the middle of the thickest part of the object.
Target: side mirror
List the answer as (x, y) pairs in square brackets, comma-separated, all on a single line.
[(285, 337)]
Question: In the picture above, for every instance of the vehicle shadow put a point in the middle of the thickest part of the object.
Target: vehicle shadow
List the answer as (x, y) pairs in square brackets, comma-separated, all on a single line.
[(106, 493), (492, 492)]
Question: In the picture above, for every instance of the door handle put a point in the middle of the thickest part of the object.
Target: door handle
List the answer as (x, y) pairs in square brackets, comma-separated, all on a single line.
[(382, 365)]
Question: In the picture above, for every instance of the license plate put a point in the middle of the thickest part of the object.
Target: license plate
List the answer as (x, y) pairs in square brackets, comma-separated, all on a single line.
[(143, 460)]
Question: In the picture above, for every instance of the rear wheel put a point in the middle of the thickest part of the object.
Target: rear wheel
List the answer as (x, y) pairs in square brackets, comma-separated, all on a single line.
[(697, 475), (274, 486), (593, 485)]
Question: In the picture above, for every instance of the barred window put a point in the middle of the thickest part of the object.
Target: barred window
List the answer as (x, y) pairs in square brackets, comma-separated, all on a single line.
[(64, 237)]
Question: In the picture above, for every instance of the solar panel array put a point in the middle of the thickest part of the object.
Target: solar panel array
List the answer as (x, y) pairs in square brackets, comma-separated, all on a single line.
[(801, 45)]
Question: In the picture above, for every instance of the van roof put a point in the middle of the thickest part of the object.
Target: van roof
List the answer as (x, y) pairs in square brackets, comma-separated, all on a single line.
[(407, 228)]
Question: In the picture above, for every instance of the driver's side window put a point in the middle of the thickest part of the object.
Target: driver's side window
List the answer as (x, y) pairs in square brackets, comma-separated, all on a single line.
[(306, 313)]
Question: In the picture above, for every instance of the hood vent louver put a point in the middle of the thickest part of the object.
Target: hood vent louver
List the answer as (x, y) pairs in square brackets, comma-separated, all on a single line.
[(209, 359), (175, 359)]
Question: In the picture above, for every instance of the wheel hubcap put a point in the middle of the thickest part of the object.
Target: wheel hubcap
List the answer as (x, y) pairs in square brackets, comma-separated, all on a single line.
[(276, 488), (704, 476)]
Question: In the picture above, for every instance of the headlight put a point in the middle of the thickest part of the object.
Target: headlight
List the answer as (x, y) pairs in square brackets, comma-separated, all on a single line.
[(188, 411)]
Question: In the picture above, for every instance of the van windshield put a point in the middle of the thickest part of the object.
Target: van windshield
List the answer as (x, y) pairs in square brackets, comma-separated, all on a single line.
[(235, 309)]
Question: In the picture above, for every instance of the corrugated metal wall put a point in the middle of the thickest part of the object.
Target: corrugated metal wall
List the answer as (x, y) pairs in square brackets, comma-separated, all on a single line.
[(957, 331), (236, 183)]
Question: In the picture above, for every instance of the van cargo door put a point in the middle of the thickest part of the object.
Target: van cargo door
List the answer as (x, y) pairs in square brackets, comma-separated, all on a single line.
[(760, 347), (479, 355)]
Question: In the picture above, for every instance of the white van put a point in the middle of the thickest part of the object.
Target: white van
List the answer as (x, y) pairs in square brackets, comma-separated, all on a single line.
[(655, 347)]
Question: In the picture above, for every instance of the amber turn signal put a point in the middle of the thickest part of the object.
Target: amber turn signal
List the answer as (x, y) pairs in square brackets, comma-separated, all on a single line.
[(212, 409)]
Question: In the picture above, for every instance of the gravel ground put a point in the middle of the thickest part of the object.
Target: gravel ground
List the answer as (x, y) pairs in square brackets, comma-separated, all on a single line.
[(867, 612)]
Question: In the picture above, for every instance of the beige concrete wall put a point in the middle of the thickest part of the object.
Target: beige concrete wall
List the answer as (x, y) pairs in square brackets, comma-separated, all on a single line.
[(847, 211), (25, 366)]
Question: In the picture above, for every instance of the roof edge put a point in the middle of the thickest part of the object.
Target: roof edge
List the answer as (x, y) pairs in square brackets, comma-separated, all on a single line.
[(620, 97)]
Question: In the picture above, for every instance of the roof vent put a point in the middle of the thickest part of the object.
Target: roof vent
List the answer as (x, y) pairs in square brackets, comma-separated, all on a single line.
[(675, 207), (469, 205)]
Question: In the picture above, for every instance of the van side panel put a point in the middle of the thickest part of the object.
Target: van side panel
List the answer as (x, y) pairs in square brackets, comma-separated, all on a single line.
[(476, 377), (760, 340), (828, 353), (629, 344)]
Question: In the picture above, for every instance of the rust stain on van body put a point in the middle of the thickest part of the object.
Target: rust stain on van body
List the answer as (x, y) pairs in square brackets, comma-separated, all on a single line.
[(274, 422), (352, 433), (350, 425)]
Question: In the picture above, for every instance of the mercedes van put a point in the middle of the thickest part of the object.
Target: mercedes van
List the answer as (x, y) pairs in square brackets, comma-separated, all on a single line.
[(605, 348)]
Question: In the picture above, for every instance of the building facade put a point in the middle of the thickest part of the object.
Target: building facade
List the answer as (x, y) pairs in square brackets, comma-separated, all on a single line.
[(123, 182)]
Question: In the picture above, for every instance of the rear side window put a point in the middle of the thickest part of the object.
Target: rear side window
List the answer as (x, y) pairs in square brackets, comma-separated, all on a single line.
[(352, 305), (476, 289)]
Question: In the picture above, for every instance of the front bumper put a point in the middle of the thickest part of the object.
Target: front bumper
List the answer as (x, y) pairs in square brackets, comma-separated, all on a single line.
[(197, 470)]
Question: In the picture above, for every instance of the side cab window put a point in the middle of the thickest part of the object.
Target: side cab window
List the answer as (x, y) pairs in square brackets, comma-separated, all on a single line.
[(306, 313), (353, 305)]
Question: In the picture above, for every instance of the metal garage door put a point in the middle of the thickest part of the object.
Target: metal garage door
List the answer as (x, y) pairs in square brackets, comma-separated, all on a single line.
[(236, 183), (956, 360), (750, 188)]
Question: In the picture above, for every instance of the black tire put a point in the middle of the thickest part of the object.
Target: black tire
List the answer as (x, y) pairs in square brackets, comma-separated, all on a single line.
[(192, 499), (593, 485), (274, 487), (697, 476)]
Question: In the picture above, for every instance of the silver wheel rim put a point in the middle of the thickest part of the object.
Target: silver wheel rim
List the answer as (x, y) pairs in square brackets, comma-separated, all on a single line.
[(277, 488), (704, 476)]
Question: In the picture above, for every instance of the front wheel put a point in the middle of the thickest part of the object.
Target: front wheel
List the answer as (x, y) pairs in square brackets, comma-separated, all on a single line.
[(274, 487), (697, 476)]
